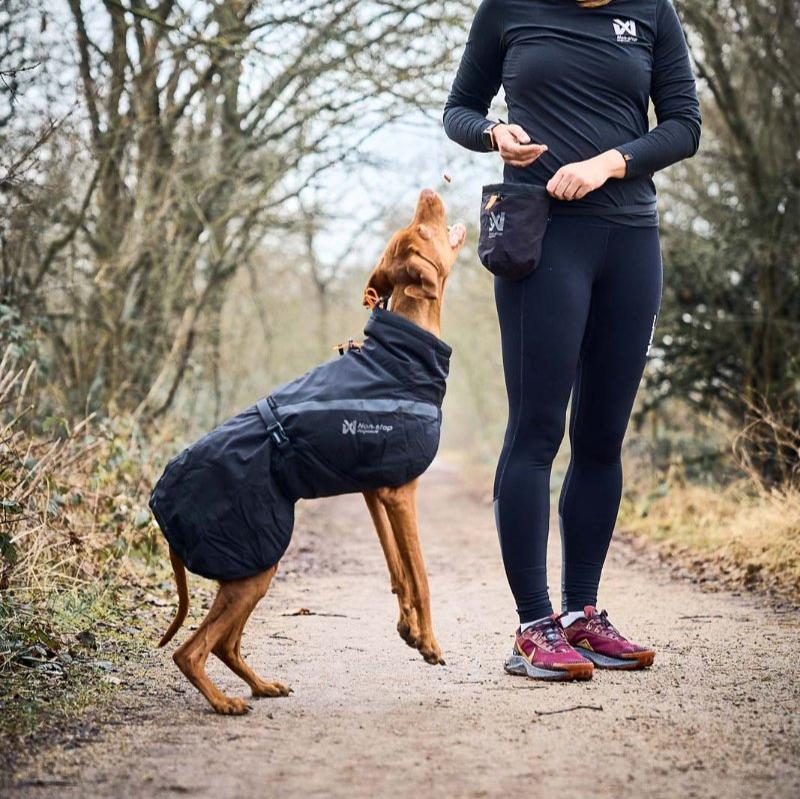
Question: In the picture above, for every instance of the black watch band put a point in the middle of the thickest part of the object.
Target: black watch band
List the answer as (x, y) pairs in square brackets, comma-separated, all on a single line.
[(488, 141)]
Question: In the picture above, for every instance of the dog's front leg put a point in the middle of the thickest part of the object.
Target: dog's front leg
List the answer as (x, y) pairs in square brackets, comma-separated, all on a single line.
[(401, 508), (407, 624)]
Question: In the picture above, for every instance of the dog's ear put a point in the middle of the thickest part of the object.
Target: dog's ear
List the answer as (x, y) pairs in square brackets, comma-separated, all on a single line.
[(380, 283), (425, 277)]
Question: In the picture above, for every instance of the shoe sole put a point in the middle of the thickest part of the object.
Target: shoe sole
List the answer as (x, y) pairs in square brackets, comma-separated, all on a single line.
[(638, 660), (519, 666)]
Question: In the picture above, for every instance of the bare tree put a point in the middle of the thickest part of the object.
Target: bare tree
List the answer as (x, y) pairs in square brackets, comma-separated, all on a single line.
[(199, 123)]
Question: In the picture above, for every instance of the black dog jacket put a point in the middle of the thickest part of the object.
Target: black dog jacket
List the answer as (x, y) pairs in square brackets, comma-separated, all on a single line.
[(368, 419)]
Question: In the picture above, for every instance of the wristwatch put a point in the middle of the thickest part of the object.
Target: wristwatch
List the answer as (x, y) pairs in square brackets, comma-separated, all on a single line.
[(488, 140)]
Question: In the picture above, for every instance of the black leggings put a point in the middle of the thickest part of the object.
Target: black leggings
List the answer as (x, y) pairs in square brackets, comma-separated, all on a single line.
[(582, 322)]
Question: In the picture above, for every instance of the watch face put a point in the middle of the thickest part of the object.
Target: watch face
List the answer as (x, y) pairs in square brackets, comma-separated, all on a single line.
[(487, 139)]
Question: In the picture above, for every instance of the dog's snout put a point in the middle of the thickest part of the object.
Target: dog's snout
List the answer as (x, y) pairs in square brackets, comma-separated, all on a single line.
[(429, 206)]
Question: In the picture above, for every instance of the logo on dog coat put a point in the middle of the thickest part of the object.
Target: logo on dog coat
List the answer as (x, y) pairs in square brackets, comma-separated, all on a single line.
[(625, 30), (496, 223), (355, 427)]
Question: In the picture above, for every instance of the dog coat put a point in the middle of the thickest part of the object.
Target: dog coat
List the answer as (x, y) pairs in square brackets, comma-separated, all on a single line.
[(368, 419)]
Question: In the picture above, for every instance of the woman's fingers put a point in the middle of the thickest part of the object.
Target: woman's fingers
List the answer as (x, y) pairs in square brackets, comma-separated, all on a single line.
[(567, 184), (520, 154), (515, 146), (519, 134), (510, 149), (572, 188), (555, 184)]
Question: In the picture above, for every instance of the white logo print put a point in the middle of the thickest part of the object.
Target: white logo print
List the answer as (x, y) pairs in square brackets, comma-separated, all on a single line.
[(496, 223), (652, 333), (364, 428), (625, 30)]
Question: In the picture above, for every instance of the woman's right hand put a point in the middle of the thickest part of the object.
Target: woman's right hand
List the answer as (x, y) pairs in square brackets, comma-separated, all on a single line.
[(515, 146)]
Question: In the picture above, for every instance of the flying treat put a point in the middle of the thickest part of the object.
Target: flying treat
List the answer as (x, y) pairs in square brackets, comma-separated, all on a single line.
[(448, 177)]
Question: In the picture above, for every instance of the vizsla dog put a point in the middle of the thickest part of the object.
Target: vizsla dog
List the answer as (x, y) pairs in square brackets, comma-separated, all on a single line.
[(411, 273)]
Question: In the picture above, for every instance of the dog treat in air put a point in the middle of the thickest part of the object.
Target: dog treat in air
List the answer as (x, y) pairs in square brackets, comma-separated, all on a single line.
[(448, 177)]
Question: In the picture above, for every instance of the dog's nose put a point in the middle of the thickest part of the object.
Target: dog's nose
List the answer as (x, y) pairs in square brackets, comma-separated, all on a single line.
[(427, 194)]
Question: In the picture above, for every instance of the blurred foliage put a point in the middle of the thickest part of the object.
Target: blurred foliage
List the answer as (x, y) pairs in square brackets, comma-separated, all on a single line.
[(729, 335)]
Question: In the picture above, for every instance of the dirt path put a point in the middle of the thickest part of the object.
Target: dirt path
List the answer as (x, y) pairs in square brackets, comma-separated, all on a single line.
[(717, 715)]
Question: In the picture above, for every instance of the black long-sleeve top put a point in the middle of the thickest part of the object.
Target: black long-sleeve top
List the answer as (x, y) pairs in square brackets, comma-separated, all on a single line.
[(579, 80)]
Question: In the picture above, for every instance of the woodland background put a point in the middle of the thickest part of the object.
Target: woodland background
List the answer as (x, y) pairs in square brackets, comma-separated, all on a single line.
[(191, 196)]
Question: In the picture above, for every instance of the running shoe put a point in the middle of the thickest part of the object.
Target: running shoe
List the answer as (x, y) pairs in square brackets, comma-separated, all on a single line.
[(596, 638), (543, 653)]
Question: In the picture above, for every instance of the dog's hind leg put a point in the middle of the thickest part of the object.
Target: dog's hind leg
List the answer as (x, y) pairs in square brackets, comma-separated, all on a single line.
[(401, 508), (231, 600), (228, 649), (407, 624)]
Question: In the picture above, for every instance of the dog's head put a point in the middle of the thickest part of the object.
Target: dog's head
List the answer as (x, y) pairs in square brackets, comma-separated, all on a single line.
[(418, 258)]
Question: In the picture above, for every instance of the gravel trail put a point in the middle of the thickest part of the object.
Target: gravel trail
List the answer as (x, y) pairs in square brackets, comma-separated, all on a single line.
[(716, 716)]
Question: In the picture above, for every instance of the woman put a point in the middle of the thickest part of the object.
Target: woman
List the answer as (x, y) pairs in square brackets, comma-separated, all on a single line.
[(577, 75)]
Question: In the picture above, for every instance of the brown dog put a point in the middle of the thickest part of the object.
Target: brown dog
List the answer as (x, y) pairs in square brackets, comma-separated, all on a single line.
[(412, 271)]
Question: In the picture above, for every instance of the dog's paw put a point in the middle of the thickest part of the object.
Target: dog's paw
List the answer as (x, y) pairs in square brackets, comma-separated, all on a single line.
[(271, 689), (232, 706), (408, 628), (404, 629), (432, 654)]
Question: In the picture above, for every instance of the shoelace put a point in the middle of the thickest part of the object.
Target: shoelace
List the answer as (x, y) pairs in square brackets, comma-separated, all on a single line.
[(602, 621), (553, 633)]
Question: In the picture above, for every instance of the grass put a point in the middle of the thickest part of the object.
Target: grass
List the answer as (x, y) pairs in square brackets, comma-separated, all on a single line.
[(81, 566), (59, 655), (738, 533)]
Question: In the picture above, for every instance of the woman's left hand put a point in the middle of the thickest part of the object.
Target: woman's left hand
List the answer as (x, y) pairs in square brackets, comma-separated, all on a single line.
[(575, 181)]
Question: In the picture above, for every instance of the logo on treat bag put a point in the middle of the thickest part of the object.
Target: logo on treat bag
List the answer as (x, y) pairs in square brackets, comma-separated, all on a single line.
[(497, 222)]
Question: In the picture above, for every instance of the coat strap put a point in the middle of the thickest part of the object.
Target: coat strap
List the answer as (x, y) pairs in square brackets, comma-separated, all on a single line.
[(274, 427)]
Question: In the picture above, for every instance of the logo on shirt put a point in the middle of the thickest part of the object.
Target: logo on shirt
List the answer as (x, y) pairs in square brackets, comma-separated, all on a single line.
[(496, 223), (625, 30)]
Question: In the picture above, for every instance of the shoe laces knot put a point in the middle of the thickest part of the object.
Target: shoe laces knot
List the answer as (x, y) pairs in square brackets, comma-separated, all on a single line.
[(551, 634), (602, 621)]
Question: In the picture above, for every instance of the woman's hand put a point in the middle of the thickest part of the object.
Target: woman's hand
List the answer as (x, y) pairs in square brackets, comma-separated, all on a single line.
[(574, 181), (515, 146)]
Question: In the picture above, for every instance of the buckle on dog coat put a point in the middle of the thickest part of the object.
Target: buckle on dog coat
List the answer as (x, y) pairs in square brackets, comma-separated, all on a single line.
[(274, 428)]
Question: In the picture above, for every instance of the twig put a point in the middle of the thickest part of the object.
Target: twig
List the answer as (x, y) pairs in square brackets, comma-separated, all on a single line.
[(710, 616), (307, 612), (567, 710), (516, 688)]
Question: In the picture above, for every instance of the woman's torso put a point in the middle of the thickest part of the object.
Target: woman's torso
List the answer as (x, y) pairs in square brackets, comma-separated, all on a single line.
[(578, 80)]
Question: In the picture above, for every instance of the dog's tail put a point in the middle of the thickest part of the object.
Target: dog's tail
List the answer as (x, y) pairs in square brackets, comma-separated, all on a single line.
[(179, 571)]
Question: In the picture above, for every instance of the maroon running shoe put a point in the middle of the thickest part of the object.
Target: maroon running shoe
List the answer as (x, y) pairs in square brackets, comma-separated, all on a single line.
[(596, 638), (543, 653)]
